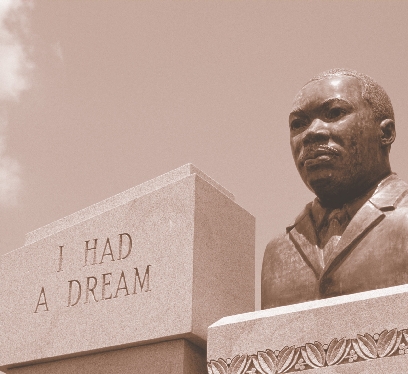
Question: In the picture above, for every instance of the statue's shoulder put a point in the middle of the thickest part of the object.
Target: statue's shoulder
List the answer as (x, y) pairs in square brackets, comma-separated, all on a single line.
[(392, 200), (400, 188), (278, 241), (275, 256), (282, 242), (403, 199), (398, 182), (403, 203), (391, 194)]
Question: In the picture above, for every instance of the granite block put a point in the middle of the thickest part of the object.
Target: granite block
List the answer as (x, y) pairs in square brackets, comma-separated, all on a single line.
[(365, 332), (171, 357), (120, 199), (161, 266)]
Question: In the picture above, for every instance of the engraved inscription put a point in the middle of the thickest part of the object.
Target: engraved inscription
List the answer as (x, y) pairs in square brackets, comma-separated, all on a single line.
[(95, 288), (42, 302), (77, 292), (146, 279), (90, 288), (98, 289), (60, 258), (124, 243), (105, 284), (107, 253), (121, 286), (88, 249), (124, 248)]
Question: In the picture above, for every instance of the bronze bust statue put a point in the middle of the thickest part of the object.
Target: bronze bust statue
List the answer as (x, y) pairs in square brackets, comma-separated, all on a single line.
[(354, 236)]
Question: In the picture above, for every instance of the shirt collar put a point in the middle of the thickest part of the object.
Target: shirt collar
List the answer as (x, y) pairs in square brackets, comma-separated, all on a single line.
[(318, 212)]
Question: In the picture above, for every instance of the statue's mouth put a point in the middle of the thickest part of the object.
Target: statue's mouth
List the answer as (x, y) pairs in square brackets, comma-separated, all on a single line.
[(318, 155)]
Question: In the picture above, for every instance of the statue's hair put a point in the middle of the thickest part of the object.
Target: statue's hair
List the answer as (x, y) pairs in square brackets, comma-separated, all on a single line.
[(373, 93)]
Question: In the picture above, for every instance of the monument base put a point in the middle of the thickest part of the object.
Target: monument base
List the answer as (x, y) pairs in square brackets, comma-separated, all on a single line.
[(175, 357), (365, 332)]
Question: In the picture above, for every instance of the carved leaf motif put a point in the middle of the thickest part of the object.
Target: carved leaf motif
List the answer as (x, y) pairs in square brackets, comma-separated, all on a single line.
[(330, 350), (267, 361), (367, 345), (306, 358), (397, 343), (209, 370), (386, 342), (219, 367), (319, 346), (251, 359), (294, 359), (234, 360), (272, 356), (255, 361), (316, 353), (285, 358), (358, 350), (347, 350), (336, 350), (238, 364), (405, 332)]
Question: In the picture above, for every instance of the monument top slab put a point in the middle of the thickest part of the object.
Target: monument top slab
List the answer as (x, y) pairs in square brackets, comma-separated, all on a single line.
[(120, 199), (310, 305)]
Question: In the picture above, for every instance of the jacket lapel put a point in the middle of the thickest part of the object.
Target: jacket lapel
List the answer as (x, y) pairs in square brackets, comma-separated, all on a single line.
[(386, 198), (302, 234), (365, 219)]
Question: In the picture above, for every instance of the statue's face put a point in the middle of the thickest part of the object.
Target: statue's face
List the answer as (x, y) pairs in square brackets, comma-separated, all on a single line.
[(335, 138)]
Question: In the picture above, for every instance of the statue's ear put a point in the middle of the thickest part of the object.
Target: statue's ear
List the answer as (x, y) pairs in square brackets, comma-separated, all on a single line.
[(387, 127)]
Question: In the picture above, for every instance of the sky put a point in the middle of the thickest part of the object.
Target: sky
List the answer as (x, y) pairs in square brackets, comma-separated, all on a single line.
[(100, 96)]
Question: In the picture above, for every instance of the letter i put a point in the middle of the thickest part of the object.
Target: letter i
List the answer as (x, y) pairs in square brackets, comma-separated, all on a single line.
[(60, 259)]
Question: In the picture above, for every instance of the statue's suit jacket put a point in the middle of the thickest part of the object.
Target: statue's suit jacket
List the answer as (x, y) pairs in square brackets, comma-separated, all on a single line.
[(372, 253)]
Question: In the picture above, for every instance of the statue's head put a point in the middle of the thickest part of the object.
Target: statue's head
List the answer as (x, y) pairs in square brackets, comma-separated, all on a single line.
[(341, 131)]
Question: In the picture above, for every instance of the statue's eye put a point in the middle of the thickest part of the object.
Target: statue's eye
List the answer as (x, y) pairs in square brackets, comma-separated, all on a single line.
[(297, 124), (335, 112)]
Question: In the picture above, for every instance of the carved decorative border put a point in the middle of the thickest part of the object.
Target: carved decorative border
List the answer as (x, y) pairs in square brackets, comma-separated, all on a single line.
[(315, 355)]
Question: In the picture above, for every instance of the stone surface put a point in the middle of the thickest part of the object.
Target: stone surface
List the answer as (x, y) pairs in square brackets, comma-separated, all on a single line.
[(360, 333), (172, 357), (192, 246), (120, 199)]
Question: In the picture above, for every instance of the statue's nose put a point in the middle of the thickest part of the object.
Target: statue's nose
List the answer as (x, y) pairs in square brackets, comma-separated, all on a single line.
[(318, 131)]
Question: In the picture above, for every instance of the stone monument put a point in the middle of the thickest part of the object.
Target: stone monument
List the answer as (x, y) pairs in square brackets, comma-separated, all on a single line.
[(336, 282), (128, 285), (365, 332)]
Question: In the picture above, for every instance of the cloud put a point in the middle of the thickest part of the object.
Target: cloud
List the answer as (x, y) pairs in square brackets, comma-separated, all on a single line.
[(10, 181), (14, 62), (14, 72)]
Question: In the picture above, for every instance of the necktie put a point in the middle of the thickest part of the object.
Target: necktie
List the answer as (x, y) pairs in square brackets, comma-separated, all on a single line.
[(331, 230)]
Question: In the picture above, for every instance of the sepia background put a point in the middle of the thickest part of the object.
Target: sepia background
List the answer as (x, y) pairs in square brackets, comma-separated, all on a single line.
[(99, 96)]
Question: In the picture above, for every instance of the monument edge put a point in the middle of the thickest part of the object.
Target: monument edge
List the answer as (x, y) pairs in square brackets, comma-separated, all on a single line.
[(120, 199), (315, 304)]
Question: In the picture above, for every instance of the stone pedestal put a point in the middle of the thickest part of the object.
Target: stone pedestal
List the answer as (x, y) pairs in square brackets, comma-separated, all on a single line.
[(157, 263), (174, 356), (360, 333)]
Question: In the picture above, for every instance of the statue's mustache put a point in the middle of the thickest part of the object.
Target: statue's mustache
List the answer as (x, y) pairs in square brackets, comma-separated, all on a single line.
[(316, 151)]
